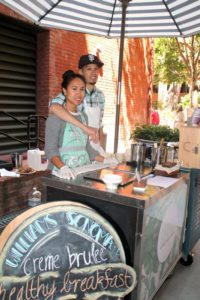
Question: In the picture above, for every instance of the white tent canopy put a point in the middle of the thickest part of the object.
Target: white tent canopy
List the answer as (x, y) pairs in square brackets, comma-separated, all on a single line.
[(144, 18)]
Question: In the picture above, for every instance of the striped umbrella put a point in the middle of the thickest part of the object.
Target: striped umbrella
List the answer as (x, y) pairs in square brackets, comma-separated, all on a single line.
[(115, 19)]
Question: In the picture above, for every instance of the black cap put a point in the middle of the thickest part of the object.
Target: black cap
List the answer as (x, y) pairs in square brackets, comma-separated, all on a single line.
[(89, 59)]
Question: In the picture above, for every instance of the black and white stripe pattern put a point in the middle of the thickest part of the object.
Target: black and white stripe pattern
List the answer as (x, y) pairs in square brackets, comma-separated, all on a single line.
[(145, 18)]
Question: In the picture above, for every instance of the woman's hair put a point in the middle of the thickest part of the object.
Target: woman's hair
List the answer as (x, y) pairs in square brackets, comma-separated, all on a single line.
[(68, 76)]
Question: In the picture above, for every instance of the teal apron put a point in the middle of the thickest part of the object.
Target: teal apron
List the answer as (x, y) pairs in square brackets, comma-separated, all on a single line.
[(73, 152)]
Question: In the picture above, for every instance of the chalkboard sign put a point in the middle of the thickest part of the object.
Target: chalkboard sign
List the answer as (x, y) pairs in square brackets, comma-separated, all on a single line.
[(62, 250)]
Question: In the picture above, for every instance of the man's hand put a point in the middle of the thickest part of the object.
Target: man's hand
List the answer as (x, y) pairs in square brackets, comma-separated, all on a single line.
[(111, 161), (93, 133)]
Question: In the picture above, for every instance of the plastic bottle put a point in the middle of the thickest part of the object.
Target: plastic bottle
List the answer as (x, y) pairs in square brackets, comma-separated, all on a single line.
[(34, 197), (36, 159)]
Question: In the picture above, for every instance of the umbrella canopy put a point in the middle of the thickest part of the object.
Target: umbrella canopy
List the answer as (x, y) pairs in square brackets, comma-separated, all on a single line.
[(144, 18), (115, 19)]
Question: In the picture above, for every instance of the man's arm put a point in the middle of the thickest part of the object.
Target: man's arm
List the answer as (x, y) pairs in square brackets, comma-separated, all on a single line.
[(63, 114), (101, 136), (102, 106)]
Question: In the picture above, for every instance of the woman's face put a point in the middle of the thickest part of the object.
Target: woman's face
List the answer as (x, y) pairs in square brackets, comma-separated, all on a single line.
[(74, 93)]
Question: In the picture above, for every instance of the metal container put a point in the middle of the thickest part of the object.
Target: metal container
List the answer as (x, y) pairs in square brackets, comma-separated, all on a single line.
[(138, 153), (161, 155), (17, 160), (172, 153), (154, 155)]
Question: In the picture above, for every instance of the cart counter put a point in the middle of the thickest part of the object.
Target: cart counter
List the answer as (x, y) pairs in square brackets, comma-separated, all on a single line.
[(150, 225)]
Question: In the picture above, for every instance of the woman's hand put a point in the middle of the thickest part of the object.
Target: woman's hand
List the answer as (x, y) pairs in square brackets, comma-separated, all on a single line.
[(66, 173), (63, 170)]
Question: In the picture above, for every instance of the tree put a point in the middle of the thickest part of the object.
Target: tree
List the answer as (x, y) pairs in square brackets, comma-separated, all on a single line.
[(177, 60)]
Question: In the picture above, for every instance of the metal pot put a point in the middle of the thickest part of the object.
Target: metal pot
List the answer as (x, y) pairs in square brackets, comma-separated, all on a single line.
[(162, 152), (17, 160), (138, 153), (156, 154)]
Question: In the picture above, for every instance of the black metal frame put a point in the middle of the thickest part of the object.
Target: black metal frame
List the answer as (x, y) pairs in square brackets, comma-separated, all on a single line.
[(32, 121)]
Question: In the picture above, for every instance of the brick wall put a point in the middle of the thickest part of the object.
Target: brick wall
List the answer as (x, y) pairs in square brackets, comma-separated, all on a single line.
[(64, 51), (59, 50), (14, 191), (9, 12)]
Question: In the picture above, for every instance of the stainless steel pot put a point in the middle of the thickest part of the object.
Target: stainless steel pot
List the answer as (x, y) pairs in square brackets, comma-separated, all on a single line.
[(138, 153), (17, 160), (161, 155), (156, 154)]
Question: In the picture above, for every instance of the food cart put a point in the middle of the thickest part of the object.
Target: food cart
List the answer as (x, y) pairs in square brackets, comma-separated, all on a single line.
[(150, 225)]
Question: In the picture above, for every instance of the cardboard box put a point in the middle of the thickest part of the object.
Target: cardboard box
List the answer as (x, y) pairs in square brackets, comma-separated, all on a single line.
[(189, 146)]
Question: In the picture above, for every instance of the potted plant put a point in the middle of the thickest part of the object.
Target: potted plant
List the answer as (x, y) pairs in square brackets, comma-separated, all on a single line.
[(154, 133), (155, 139)]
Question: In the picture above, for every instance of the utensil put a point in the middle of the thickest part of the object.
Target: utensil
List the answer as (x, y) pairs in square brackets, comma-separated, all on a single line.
[(138, 153), (138, 175)]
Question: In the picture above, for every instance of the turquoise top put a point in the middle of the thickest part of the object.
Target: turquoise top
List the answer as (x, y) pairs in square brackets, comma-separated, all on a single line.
[(67, 141)]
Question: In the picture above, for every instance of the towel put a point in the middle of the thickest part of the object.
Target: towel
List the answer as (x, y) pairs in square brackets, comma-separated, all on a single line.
[(4, 172)]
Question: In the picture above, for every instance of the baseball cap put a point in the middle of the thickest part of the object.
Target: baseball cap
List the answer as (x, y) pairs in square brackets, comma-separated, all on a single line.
[(89, 59)]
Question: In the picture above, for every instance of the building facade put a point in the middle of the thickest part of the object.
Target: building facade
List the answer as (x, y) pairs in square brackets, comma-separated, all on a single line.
[(59, 50)]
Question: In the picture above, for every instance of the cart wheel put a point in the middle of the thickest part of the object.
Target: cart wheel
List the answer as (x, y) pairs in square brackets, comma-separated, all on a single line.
[(188, 261)]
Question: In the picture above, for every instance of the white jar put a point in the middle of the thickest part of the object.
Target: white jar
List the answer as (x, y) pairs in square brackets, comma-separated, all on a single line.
[(36, 160)]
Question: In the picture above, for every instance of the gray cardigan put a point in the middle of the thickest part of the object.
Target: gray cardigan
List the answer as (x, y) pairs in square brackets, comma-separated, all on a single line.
[(54, 133)]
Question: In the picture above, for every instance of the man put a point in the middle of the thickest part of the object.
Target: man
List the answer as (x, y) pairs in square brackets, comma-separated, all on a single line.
[(93, 103)]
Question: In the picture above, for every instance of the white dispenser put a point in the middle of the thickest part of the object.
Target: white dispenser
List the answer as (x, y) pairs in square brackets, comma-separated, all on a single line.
[(36, 160)]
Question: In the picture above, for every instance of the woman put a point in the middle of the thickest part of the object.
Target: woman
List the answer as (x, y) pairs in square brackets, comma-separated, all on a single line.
[(66, 146)]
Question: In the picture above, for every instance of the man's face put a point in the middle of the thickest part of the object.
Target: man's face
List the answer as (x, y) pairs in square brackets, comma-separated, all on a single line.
[(90, 73)]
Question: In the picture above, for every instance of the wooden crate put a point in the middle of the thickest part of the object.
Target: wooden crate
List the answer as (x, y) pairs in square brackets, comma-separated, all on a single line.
[(189, 146)]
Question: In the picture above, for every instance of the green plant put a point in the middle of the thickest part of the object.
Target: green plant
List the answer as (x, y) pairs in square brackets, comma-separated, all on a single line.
[(185, 100), (155, 133)]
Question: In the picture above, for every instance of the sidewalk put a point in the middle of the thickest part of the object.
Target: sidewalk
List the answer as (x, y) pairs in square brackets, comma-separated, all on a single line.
[(184, 282)]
